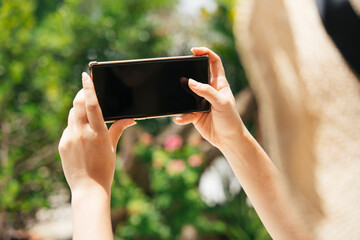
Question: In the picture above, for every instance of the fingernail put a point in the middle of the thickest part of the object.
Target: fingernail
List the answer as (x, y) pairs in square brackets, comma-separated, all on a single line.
[(132, 124), (193, 83), (193, 48)]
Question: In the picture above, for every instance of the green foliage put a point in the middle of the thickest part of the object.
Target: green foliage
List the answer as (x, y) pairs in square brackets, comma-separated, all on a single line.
[(174, 202), (221, 25), (143, 220), (23, 183), (174, 175), (44, 47)]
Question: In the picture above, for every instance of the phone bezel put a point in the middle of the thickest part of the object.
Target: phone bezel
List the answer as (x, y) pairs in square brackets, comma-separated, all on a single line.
[(93, 63)]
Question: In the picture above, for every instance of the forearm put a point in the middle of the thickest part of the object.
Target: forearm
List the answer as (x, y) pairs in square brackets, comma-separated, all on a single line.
[(223, 128), (91, 214), (87, 149), (264, 186)]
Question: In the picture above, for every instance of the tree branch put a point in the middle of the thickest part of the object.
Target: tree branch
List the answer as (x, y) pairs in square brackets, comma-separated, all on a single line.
[(44, 153)]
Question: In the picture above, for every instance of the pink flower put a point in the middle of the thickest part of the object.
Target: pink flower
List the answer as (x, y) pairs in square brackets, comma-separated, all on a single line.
[(195, 160), (173, 142), (146, 139), (175, 166)]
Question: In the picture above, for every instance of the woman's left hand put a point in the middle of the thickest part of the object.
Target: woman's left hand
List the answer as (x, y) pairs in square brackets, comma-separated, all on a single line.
[(87, 148)]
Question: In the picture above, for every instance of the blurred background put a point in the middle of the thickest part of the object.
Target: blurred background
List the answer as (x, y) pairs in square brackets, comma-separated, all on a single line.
[(169, 183)]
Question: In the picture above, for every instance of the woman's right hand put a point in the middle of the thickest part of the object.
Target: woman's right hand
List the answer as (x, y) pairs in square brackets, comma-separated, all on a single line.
[(222, 124)]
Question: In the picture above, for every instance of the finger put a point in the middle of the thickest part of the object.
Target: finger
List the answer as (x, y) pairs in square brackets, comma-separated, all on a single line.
[(93, 111), (62, 143), (79, 108), (218, 80), (117, 128), (216, 67), (185, 119), (71, 118), (206, 91)]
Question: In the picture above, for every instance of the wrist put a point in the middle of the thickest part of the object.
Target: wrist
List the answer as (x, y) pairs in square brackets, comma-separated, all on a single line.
[(88, 184), (235, 138), (241, 145), (91, 190), (91, 213)]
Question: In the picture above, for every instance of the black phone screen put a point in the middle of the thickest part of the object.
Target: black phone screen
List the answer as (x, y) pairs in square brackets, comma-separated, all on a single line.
[(148, 88)]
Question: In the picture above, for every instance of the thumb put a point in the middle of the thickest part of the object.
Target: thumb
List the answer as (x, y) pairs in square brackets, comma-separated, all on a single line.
[(206, 91), (117, 128)]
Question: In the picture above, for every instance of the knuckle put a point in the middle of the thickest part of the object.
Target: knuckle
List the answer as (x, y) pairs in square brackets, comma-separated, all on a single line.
[(88, 86), (78, 101), (71, 112), (91, 106), (101, 136), (79, 98), (69, 138), (225, 102), (216, 57), (82, 138), (228, 102), (63, 145), (206, 88), (93, 136)]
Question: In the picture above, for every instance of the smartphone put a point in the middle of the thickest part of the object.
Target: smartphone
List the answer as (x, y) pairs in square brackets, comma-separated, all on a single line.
[(148, 88)]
